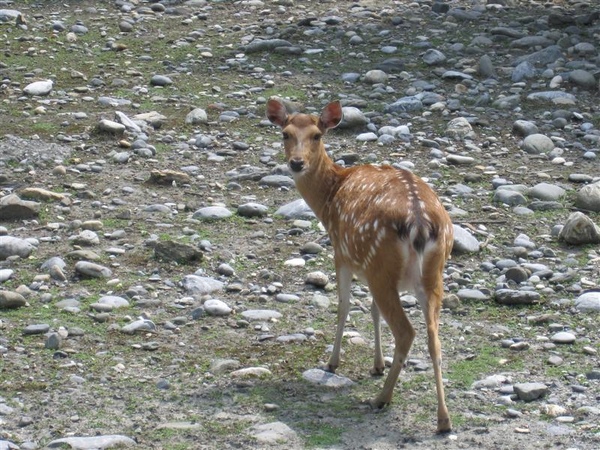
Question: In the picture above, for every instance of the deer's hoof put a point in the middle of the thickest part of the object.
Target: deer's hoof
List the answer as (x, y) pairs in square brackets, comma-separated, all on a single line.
[(329, 368), (378, 405), (444, 426), (377, 371)]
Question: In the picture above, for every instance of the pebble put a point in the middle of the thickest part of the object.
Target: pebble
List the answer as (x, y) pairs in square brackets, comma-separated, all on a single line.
[(14, 246), (563, 337), (530, 391), (39, 88), (212, 213), (323, 378), (261, 315), (274, 433), (93, 442), (318, 279), (214, 307), (10, 299), (588, 302)]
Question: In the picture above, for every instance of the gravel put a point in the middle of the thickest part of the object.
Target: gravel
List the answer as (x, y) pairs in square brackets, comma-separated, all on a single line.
[(163, 286)]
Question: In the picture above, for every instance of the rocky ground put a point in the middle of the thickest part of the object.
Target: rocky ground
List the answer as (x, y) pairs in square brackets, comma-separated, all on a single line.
[(162, 286)]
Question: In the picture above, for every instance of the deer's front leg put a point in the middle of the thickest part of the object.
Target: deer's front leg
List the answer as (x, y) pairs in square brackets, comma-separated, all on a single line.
[(344, 281)]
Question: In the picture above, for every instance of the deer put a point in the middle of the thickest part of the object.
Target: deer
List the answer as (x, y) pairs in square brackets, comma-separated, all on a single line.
[(387, 228)]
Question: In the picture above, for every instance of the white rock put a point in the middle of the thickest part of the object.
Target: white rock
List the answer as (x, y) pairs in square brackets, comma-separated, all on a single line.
[(39, 88), (216, 307)]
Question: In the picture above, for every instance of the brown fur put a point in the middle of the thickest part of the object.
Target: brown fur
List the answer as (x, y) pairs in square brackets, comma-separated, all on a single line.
[(387, 226)]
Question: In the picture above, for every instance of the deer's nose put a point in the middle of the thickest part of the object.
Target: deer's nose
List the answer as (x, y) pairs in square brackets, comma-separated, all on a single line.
[(296, 164)]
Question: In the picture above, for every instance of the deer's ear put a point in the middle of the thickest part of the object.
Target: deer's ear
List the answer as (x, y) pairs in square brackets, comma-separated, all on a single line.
[(276, 112), (331, 116)]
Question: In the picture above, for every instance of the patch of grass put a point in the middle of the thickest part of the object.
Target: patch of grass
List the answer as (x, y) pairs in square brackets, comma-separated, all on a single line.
[(44, 128), (319, 434), (486, 360)]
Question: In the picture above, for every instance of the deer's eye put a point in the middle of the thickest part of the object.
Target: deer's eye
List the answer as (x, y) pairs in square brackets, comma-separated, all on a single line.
[(285, 136), (317, 137)]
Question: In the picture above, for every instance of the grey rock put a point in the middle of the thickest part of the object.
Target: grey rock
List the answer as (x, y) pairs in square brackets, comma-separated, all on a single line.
[(93, 442), (111, 127), (486, 67), (5, 274), (472, 295), (219, 366), (523, 71), (579, 229), (40, 328), (277, 181), (552, 96), (298, 209), (127, 122), (252, 209), (459, 160), (92, 270), (110, 101), (524, 128), (125, 26), (274, 433), (260, 45), (367, 137), (516, 297), (9, 15), (522, 240), (530, 391), (491, 382), (254, 315), (198, 285), (86, 238), (353, 118), (10, 299), (375, 76), (405, 104), (12, 207), (543, 57), (323, 378), (14, 246), (546, 191), (587, 198), (563, 337), (216, 307), (464, 242), (531, 41), (433, 57), (287, 298), (588, 302), (517, 274), (290, 338), (509, 197), (212, 213), (160, 80), (459, 128), (52, 262), (537, 143), (138, 325), (583, 79), (507, 102), (114, 301), (178, 252), (320, 301), (53, 341), (39, 88), (317, 278), (196, 116)]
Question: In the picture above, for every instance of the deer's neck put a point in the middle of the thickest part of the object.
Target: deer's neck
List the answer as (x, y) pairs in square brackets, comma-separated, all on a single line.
[(318, 187)]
